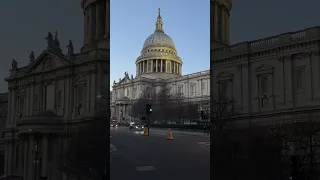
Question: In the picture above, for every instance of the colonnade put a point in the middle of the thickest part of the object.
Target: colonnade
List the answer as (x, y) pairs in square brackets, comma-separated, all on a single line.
[(158, 65)]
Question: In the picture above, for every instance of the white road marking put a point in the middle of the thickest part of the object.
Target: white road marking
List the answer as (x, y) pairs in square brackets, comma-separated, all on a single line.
[(145, 168), (112, 148), (204, 143)]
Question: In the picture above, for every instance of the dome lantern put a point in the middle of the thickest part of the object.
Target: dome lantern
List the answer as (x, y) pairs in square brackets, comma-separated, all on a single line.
[(159, 23)]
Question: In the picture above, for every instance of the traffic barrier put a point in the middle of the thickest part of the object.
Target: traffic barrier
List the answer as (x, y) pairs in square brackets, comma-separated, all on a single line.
[(145, 131), (169, 137)]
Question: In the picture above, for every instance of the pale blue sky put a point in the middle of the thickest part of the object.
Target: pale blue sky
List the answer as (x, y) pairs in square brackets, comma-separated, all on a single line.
[(24, 27), (186, 22)]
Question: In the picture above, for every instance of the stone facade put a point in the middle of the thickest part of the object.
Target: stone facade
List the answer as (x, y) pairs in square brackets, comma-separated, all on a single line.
[(274, 76), (52, 93), (158, 67), (272, 80)]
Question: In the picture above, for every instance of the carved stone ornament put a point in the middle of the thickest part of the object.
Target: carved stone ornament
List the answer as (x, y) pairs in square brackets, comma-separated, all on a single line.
[(14, 64), (239, 66), (301, 56), (315, 53)]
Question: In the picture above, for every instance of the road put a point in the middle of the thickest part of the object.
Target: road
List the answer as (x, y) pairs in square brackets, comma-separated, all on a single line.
[(138, 157)]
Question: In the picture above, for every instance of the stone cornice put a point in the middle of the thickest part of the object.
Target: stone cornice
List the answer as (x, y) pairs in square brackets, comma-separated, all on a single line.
[(270, 46)]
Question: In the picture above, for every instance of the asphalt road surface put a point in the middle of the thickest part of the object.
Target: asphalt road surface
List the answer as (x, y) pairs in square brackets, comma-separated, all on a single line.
[(138, 157)]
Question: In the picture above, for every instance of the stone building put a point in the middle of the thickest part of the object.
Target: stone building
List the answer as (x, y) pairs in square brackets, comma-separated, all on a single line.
[(158, 67), (271, 80), (53, 92)]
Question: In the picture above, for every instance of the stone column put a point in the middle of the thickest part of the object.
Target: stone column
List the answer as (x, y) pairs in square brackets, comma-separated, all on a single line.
[(26, 158), (161, 61), (44, 155), (142, 66), (85, 39), (107, 17), (157, 65), (223, 24), (227, 26), (148, 65), (10, 157), (90, 24), (31, 158), (21, 158), (137, 69), (151, 65), (289, 101), (6, 156), (215, 26), (98, 20)]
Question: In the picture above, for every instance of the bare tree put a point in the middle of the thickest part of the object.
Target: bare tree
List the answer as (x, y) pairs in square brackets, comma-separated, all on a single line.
[(300, 142), (164, 105), (221, 111), (138, 108)]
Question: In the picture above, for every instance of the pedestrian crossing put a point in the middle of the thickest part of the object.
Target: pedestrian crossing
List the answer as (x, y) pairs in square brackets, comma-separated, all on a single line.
[(206, 143)]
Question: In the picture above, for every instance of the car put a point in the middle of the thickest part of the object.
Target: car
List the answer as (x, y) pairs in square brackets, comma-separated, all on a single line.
[(136, 127), (114, 124)]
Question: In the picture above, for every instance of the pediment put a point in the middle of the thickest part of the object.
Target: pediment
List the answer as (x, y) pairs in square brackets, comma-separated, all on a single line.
[(21, 91), (264, 68), (224, 75), (125, 81), (47, 61), (80, 79)]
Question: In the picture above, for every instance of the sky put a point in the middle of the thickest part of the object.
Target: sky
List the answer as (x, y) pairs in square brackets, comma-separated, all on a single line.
[(25, 24), (186, 22)]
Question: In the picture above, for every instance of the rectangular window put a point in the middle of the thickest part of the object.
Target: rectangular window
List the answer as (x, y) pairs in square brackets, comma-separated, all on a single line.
[(49, 93), (224, 89), (36, 102), (80, 94), (264, 84), (21, 104), (59, 98), (300, 78)]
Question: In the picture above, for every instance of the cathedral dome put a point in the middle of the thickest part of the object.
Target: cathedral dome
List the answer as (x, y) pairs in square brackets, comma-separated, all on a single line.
[(159, 57), (158, 39)]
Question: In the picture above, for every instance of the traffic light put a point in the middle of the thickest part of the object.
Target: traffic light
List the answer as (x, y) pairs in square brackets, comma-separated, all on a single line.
[(148, 109)]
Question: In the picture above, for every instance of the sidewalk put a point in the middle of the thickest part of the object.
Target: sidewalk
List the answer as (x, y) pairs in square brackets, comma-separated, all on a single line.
[(163, 131), (178, 129)]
